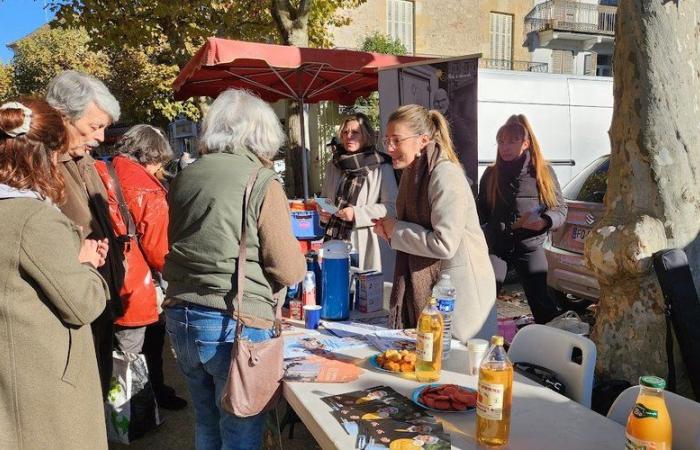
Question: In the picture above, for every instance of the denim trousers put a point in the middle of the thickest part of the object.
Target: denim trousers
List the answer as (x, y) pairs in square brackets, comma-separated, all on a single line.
[(203, 339)]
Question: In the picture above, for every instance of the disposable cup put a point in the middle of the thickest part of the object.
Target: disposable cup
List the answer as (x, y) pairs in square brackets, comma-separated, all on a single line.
[(476, 350), (312, 316)]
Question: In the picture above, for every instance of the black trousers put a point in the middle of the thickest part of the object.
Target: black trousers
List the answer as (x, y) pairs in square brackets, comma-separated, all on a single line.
[(531, 267), (153, 351), (103, 338)]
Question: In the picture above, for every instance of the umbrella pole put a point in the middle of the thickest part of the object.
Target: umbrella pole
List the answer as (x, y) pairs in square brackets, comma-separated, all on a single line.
[(304, 160)]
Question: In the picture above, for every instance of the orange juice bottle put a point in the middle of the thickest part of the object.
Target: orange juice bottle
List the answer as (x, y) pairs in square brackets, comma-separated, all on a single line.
[(495, 395), (649, 425), (429, 343)]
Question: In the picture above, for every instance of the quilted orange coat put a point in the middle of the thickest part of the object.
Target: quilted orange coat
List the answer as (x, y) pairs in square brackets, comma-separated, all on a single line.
[(146, 200)]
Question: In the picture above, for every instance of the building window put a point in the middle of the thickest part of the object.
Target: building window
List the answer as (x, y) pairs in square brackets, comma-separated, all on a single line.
[(502, 39), (399, 22), (562, 61)]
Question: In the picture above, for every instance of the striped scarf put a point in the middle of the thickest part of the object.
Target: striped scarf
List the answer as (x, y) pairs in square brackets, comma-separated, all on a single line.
[(354, 167)]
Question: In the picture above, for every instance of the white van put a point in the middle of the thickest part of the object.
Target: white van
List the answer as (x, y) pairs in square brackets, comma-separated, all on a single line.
[(570, 115)]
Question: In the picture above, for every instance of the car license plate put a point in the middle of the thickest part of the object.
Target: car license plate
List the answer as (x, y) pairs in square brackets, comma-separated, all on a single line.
[(578, 234)]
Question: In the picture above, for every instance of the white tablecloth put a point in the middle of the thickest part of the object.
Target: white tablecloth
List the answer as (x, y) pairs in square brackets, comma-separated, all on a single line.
[(540, 419)]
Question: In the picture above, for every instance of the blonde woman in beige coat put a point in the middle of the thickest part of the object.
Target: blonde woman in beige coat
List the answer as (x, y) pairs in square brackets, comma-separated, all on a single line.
[(437, 228), (361, 183), (50, 395)]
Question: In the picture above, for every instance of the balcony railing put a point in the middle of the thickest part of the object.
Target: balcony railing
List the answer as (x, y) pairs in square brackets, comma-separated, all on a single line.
[(507, 64), (563, 15)]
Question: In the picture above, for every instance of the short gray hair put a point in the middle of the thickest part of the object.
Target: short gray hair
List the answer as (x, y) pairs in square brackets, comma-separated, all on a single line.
[(238, 119), (146, 145), (71, 93)]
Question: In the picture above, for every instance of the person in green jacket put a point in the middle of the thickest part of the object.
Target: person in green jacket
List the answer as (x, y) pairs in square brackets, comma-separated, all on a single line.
[(241, 134), (50, 393)]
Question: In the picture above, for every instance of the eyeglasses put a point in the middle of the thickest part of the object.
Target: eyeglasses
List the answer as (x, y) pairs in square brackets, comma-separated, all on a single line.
[(395, 141)]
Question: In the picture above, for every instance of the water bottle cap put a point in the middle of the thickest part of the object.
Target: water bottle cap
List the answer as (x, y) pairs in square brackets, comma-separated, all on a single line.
[(652, 382), (445, 276), (497, 340), (336, 249)]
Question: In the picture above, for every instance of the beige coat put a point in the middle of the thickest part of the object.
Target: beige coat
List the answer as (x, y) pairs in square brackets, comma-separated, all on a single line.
[(377, 199), (50, 395), (457, 239)]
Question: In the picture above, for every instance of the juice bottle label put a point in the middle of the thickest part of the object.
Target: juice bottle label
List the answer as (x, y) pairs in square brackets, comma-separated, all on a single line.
[(424, 346), (632, 443), (640, 411), (489, 404)]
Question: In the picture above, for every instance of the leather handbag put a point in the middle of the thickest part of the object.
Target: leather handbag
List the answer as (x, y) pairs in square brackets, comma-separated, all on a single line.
[(254, 382)]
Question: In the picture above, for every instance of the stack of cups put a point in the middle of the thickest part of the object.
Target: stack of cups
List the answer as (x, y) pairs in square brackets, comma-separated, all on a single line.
[(476, 350)]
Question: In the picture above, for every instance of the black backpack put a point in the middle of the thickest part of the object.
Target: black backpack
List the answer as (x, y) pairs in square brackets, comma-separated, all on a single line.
[(682, 313)]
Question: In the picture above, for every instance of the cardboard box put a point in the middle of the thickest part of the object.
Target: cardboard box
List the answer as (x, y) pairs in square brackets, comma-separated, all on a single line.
[(370, 292)]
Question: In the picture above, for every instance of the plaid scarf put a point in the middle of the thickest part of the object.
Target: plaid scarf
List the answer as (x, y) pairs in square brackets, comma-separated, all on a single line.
[(354, 167)]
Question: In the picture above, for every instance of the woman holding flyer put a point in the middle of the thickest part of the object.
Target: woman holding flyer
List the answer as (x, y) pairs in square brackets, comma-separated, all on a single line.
[(519, 202), (361, 183)]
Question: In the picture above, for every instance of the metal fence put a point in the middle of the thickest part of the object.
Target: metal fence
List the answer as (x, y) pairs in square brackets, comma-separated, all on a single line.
[(508, 64), (563, 15)]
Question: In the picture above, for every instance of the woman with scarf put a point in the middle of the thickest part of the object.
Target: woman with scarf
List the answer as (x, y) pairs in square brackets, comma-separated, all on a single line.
[(361, 183), (519, 202), (437, 228)]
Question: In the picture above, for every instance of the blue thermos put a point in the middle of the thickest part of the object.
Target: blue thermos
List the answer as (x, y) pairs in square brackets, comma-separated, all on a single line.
[(335, 281)]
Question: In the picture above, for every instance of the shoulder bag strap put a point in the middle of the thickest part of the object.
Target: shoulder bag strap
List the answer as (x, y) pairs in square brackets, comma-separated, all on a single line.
[(123, 209), (242, 253)]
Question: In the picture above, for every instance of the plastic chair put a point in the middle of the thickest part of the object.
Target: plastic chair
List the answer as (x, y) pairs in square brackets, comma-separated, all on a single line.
[(685, 416), (570, 356)]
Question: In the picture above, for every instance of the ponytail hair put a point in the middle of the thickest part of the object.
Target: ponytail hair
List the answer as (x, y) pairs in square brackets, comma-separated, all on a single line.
[(430, 123), (517, 125)]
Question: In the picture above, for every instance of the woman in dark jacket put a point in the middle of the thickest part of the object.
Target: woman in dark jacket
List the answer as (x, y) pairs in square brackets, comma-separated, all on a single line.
[(519, 202)]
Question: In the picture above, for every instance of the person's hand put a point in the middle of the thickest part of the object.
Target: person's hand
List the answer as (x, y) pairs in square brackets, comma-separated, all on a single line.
[(324, 216), (379, 228), (90, 253), (102, 250), (384, 227), (346, 214), (530, 221)]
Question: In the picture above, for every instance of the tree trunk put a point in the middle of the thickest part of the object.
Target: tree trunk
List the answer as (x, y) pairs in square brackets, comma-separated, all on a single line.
[(292, 24), (653, 197)]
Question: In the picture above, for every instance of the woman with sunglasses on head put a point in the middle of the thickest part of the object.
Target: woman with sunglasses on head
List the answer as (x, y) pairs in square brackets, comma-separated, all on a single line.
[(519, 202), (361, 183), (437, 229)]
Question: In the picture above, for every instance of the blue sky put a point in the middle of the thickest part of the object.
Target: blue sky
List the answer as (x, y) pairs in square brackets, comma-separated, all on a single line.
[(19, 18)]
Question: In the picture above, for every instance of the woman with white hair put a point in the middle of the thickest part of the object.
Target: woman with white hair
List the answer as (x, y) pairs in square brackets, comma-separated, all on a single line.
[(241, 134)]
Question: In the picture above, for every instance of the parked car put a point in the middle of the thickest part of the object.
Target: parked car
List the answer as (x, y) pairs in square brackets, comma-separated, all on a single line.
[(570, 282)]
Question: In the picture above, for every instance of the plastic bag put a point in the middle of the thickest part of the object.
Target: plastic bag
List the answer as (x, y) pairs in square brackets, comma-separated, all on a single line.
[(130, 409), (571, 322)]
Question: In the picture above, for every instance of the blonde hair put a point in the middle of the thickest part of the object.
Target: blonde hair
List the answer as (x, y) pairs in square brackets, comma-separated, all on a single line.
[(429, 122), (517, 125), (365, 127)]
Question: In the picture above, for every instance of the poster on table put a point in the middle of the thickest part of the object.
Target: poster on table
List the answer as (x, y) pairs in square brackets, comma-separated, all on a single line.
[(447, 85)]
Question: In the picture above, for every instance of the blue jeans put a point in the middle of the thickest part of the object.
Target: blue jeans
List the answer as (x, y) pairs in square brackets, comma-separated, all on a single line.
[(203, 339)]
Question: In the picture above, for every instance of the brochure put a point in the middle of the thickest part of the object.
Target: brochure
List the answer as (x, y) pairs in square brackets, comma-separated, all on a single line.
[(320, 369), (384, 340)]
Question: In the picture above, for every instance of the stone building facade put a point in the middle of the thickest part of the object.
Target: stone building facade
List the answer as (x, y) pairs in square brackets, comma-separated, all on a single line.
[(493, 28)]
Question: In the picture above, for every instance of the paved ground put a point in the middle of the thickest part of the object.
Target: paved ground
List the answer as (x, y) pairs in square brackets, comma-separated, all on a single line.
[(177, 431)]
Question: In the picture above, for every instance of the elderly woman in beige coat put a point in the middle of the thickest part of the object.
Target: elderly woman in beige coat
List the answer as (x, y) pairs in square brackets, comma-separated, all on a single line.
[(50, 393), (361, 183), (437, 231)]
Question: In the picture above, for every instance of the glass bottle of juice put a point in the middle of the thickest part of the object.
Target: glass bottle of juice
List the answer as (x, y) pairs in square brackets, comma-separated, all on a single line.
[(495, 395), (429, 343), (649, 425)]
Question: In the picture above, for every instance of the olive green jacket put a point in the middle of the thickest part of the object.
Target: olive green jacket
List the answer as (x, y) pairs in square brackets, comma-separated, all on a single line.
[(50, 394)]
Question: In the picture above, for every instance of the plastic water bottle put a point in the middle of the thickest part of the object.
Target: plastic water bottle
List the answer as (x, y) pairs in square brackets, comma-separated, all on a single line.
[(308, 296), (445, 294)]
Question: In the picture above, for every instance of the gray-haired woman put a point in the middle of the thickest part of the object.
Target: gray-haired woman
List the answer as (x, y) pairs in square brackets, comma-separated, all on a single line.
[(241, 135), (141, 153)]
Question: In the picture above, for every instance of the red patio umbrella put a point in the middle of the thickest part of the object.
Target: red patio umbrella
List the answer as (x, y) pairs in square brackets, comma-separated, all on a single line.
[(275, 72)]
